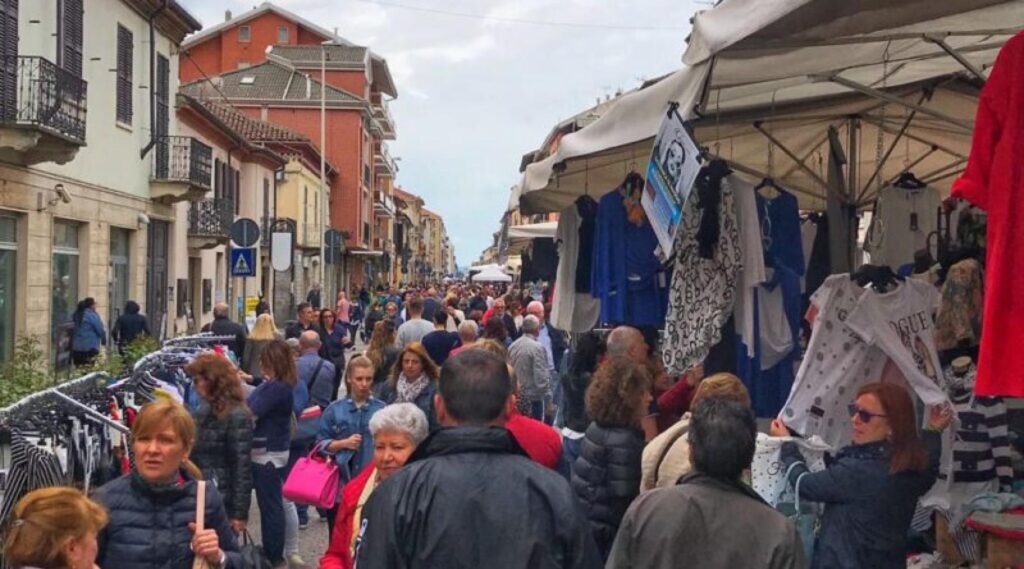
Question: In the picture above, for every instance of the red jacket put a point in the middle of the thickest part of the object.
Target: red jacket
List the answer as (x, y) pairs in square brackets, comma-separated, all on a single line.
[(994, 181), (339, 554), (542, 443)]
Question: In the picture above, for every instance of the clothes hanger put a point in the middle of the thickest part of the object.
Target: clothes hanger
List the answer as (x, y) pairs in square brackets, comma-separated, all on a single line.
[(909, 181), (880, 277)]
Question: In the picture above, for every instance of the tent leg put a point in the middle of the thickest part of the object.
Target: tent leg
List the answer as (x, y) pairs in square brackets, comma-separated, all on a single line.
[(892, 147), (853, 163), (800, 163), (956, 55), (965, 125)]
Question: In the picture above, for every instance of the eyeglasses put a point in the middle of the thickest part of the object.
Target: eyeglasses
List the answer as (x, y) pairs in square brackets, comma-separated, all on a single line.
[(864, 416)]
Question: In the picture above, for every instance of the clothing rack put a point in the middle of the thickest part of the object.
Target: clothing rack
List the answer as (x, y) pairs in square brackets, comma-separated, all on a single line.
[(201, 338), (93, 413), (73, 384)]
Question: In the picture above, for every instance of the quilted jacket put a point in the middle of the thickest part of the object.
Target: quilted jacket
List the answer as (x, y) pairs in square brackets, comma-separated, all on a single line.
[(222, 452)]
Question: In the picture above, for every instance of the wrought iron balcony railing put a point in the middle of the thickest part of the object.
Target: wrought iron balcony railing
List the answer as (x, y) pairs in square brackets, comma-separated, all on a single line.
[(34, 92), (183, 159), (211, 218)]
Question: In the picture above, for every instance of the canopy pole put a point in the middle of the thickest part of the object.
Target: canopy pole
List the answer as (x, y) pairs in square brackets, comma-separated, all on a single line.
[(892, 147), (892, 99), (941, 42), (956, 172), (934, 173), (807, 157), (915, 138), (800, 163), (841, 235), (852, 164)]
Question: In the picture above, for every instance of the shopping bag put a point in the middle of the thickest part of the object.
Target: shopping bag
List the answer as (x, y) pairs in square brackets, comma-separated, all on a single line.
[(313, 481), (806, 516), (768, 473), (199, 562), (252, 554)]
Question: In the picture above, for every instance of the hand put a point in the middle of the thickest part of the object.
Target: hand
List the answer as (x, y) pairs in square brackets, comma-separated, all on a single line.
[(238, 525), (244, 376), (349, 443), (206, 544), (939, 417), (695, 376), (779, 429)]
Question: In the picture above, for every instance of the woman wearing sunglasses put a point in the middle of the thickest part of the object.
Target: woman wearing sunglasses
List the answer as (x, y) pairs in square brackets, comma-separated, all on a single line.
[(871, 488)]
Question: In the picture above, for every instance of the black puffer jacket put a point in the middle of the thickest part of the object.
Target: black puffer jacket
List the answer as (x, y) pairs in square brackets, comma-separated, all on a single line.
[(470, 498), (606, 478), (148, 526), (222, 452)]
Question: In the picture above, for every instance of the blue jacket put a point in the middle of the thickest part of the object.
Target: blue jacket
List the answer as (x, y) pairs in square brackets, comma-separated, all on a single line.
[(867, 509), (344, 419), (90, 334), (148, 526), (321, 387), (272, 403)]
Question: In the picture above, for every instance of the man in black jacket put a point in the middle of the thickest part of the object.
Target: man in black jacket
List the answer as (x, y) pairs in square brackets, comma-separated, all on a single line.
[(223, 326), (469, 497)]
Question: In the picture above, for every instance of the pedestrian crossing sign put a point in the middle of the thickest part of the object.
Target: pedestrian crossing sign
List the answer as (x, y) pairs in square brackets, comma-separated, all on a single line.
[(243, 262)]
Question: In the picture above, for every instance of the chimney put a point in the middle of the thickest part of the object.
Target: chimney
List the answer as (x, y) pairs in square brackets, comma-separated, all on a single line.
[(227, 15)]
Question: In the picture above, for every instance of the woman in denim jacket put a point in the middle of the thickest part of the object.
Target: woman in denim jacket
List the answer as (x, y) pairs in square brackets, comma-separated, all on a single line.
[(871, 488), (345, 426)]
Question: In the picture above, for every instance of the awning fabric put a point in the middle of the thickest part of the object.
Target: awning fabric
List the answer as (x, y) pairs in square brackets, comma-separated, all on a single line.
[(796, 67), (492, 276)]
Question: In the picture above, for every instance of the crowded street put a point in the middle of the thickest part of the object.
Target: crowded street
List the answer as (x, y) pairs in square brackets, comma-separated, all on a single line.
[(511, 284)]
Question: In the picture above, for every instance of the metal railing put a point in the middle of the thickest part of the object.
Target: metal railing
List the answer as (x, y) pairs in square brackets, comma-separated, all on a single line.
[(211, 218), (313, 235), (39, 94), (382, 159), (383, 202), (183, 159)]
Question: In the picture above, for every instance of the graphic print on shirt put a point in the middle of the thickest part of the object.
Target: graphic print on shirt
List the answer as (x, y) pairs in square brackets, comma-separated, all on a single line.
[(910, 330)]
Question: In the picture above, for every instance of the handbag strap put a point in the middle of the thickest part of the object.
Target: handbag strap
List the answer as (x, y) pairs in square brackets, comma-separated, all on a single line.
[(200, 505), (796, 492), (796, 487)]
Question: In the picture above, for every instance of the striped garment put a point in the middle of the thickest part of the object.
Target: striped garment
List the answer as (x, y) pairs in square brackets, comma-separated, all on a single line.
[(31, 468), (981, 448)]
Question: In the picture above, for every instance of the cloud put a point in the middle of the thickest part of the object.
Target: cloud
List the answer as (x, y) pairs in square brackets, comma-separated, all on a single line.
[(455, 52)]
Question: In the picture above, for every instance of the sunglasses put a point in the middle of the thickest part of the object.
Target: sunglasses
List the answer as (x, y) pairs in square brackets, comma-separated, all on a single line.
[(864, 416)]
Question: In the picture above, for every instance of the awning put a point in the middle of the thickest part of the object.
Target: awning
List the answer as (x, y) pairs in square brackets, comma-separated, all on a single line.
[(365, 253), (492, 277), (778, 74)]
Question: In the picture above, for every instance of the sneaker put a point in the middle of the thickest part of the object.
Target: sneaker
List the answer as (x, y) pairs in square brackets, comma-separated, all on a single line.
[(303, 525), (295, 561)]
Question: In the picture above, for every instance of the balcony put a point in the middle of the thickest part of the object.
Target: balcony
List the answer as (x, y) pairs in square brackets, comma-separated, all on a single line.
[(310, 236), (382, 116), (383, 163), (209, 223), (42, 112), (182, 168), (383, 205)]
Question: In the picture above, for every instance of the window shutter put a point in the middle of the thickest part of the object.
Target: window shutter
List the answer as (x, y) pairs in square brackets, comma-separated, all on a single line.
[(69, 37), (8, 59), (125, 55), (163, 86)]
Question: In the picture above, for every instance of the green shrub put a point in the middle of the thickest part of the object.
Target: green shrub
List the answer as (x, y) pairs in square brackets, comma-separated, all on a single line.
[(27, 371)]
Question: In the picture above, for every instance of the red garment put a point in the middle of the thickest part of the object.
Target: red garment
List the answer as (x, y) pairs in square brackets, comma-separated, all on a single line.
[(542, 443), (676, 401), (487, 315), (994, 181), (338, 554)]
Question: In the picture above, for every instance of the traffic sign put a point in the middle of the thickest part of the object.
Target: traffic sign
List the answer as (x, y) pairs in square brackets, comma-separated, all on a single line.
[(243, 262), (245, 232)]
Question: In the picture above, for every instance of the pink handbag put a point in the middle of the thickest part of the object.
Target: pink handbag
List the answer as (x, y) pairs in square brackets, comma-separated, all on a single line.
[(313, 481)]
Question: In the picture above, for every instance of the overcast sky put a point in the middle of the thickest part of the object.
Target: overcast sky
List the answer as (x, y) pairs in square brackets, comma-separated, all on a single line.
[(475, 94)]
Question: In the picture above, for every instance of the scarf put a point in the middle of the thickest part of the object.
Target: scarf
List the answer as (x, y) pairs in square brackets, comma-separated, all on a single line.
[(408, 390)]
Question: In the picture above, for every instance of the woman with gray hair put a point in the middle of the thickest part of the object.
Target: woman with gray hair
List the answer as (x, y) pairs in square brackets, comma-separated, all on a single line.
[(397, 430)]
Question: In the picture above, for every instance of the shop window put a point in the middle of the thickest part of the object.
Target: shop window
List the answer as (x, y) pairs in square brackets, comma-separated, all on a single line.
[(119, 279), (8, 270), (65, 288)]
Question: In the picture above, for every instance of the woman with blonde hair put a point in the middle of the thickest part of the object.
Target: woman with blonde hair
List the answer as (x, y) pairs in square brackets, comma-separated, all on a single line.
[(152, 509), (262, 333), (54, 528), (224, 433), (414, 380)]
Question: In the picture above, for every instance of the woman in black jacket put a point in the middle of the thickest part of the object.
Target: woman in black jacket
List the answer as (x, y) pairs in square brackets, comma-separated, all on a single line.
[(606, 476), (871, 489), (589, 350), (224, 434), (152, 510), (129, 326)]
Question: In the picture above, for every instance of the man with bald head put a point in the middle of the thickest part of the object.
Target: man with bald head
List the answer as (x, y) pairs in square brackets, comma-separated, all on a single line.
[(627, 342), (223, 326), (315, 372)]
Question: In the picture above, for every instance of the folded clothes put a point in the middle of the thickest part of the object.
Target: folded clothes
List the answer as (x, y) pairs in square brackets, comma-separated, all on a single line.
[(1009, 525)]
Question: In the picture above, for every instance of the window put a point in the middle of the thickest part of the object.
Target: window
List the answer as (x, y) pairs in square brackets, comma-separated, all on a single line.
[(244, 33), (65, 288), (237, 194), (267, 213), (8, 59), (70, 26), (8, 270), (119, 280), (282, 34), (125, 52)]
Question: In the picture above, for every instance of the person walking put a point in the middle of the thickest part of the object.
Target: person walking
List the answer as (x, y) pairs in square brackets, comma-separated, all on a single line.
[(343, 309), (469, 497), (315, 372), (223, 434), (413, 380), (440, 342), (54, 527), (530, 363), (415, 328), (129, 325), (152, 509), (590, 349), (223, 326), (334, 340), (872, 487), (263, 332), (313, 298), (382, 352), (606, 476), (305, 320), (659, 530), (455, 315), (89, 333)]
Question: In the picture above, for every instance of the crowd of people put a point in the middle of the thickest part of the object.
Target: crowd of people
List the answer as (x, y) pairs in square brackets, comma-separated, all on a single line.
[(467, 434)]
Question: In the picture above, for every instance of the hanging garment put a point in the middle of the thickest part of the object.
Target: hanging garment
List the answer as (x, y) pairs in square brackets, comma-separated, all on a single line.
[(586, 211), (571, 310), (627, 276), (31, 468), (780, 229), (776, 336), (981, 447), (703, 289), (854, 337), (900, 226), (819, 264), (752, 272), (958, 323)]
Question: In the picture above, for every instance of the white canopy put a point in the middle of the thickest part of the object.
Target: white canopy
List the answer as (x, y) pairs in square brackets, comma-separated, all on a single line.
[(489, 267), (520, 236), (777, 74), (492, 276)]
